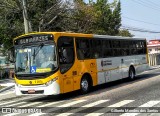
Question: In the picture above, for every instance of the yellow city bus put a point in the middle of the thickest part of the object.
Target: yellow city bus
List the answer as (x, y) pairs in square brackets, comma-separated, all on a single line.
[(51, 63)]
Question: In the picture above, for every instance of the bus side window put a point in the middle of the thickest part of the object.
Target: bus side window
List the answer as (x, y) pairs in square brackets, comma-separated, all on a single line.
[(66, 53), (83, 48)]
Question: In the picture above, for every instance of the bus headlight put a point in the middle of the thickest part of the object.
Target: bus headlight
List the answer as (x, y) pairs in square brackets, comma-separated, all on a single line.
[(51, 81)]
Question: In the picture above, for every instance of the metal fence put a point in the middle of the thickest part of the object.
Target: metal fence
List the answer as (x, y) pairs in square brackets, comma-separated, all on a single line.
[(154, 59)]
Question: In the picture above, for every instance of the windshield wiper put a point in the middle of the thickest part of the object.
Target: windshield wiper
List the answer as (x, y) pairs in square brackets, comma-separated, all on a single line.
[(36, 52)]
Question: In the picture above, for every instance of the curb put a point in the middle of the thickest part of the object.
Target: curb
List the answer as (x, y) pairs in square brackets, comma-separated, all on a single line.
[(6, 88)]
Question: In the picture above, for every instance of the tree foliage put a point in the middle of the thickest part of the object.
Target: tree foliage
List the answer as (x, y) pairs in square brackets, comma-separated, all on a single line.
[(100, 17), (125, 33)]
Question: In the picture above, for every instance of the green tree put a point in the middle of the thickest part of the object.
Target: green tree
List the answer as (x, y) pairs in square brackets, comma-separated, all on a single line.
[(81, 17), (44, 15), (116, 19), (108, 17), (125, 33), (11, 21), (103, 16), (100, 17)]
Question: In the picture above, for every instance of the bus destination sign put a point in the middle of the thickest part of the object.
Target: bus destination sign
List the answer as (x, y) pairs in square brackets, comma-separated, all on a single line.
[(33, 39)]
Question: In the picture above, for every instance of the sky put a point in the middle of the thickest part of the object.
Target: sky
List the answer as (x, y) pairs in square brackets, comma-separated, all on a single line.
[(141, 15)]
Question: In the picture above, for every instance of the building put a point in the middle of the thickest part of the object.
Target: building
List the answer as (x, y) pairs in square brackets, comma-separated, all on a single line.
[(154, 52), (153, 46)]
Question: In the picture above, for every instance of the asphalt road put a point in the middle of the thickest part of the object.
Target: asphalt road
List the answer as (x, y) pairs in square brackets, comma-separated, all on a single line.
[(141, 97)]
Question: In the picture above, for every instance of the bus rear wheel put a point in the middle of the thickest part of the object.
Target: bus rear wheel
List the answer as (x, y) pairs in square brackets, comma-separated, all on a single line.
[(85, 85), (131, 73)]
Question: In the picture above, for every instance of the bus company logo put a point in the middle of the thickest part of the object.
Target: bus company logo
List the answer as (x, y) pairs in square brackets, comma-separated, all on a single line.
[(105, 63)]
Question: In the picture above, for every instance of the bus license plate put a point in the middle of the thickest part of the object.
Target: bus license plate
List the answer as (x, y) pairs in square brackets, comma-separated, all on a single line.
[(31, 91)]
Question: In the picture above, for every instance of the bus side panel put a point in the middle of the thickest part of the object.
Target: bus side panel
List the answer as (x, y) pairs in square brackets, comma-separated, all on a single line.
[(72, 78), (127, 62), (141, 63), (109, 69), (85, 66)]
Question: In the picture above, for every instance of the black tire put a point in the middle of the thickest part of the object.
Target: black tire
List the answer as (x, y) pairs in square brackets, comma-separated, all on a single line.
[(131, 74), (85, 85)]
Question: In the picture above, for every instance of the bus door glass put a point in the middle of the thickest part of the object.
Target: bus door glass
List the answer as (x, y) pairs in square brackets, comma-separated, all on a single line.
[(66, 61)]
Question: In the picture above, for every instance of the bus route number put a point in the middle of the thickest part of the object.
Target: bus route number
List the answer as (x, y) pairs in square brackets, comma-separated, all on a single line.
[(38, 82)]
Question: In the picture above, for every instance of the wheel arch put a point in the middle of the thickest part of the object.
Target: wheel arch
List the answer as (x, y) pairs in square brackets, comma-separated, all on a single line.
[(89, 77)]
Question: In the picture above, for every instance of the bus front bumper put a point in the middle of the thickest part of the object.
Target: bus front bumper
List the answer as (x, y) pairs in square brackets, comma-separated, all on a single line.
[(52, 89)]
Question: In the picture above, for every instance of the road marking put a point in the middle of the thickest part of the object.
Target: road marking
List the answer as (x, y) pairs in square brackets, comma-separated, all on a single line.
[(11, 92), (12, 114), (148, 104), (7, 84), (49, 104), (37, 114), (94, 114), (122, 103), (64, 114), (7, 103), (4, 103), (71, 103), (16, 104), (86, 106), (30, 104), (95, 103), (64, 105)]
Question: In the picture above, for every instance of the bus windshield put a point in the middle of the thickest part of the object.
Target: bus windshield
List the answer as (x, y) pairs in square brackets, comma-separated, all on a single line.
[(36, 59)]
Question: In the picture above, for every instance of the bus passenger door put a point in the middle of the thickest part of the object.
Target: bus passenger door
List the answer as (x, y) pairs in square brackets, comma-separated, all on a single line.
[(66, 61)]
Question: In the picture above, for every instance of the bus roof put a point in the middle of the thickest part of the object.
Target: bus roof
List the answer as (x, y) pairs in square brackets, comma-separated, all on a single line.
[(116, 37), (81, 35), (63, 33)]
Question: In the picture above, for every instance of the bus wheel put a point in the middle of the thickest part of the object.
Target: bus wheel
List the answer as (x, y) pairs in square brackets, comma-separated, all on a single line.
[(85, 85), (131, 73)]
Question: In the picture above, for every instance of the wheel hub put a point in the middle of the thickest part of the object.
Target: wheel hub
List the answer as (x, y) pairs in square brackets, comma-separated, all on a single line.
[(84, 84)]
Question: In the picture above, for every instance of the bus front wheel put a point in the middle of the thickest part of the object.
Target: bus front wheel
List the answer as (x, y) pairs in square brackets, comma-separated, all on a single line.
[(131, 73), (85, 85)]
